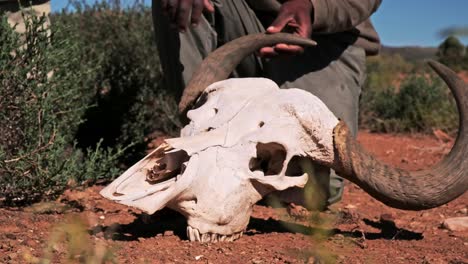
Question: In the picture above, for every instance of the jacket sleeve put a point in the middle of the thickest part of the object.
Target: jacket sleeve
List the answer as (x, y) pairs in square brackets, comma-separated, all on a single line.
[(332, 16)]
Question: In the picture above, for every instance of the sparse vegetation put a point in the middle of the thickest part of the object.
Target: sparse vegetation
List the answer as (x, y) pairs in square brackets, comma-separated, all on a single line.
[(130, 103), (403, 96), (45, 92), (452, 53), (79, 99), (421, 104)]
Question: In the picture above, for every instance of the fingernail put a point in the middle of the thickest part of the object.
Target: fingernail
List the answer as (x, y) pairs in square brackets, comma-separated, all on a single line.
[(194, 24)]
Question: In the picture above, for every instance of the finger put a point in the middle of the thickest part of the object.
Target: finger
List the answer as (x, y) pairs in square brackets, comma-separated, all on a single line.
[(197, 9), (305, 27), (288, 49), (208, 6), (268, 52), (183, 14), (280, 22)]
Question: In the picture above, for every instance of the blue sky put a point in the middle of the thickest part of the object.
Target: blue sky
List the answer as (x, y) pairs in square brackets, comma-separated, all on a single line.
[(400, 22), (417, 22)]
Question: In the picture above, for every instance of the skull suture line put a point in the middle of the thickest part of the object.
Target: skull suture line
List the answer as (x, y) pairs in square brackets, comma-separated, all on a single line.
[(244, 142), (248, 138)]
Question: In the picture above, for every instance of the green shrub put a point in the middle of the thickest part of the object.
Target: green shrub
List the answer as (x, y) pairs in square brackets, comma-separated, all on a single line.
[(80, 98), (421, 104), (46, 89), (130, 102), (385, 70), (451, 52)]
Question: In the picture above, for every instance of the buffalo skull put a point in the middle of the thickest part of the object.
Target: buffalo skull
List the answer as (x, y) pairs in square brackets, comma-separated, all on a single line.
[(247, 138)]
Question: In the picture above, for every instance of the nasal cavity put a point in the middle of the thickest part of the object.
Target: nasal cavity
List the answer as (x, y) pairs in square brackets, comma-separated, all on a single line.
[(270, 158), (166, 165)]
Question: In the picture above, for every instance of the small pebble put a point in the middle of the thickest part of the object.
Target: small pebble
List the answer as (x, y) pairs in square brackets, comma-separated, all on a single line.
[(168, 233), (456, 224)]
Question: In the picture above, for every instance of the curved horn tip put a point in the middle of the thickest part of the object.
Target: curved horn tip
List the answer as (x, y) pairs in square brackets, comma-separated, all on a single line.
[(437, 66), (442, 70)]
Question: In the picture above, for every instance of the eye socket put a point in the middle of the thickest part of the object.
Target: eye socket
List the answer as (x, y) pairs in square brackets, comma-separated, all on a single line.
[(269, 159), (200, 101)]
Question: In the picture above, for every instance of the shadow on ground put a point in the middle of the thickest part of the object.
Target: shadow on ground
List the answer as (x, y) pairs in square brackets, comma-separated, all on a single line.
[(146, 226), (388, 230)]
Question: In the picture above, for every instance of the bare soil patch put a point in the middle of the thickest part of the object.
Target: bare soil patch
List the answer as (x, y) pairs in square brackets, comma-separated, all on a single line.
[(83, 226)]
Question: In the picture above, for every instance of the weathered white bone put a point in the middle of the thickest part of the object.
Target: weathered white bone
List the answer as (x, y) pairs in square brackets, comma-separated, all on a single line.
[(238, 147)]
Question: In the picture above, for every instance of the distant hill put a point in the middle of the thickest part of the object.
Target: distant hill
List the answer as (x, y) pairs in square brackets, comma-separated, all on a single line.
[(411, 53)]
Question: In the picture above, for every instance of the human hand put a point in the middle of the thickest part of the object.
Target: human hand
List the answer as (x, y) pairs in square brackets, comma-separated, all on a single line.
[(293, 17), (179, 11)]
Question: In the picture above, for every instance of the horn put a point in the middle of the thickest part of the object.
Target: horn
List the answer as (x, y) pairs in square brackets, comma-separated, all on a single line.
[(401, 189), (220, 63)]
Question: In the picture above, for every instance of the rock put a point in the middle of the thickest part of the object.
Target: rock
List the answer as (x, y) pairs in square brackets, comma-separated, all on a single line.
[(417, 226), (12, 256), (425, 214), (387, 218), (168, 233), (257, 261), (297, 211), (456, 224), (387, 222), (349, 216), (30, 243), (338, 237)]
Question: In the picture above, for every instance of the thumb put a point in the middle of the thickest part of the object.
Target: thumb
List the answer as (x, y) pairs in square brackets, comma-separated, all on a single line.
[(280, 22), (208, 6)]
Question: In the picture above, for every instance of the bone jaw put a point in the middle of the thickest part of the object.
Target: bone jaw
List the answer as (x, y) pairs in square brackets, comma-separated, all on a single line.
[(194, 234)]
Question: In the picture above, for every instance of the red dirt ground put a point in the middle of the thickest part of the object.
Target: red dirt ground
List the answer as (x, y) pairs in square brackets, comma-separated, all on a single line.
[(357, 230)]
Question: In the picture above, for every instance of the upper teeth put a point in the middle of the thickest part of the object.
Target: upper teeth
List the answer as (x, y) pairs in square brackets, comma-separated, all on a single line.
[(194, 235)]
